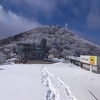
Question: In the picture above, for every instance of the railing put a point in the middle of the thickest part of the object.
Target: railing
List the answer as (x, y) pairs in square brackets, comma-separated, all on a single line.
[(76, 61)]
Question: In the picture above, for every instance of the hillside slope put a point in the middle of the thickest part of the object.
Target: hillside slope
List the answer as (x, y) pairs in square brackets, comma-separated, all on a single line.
[(60, 42)]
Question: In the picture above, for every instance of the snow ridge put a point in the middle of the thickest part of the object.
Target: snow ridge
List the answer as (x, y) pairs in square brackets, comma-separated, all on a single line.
[(52, 93), (67, 89)]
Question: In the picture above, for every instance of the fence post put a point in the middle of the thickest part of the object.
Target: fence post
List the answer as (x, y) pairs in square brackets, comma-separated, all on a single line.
[(91, 67)]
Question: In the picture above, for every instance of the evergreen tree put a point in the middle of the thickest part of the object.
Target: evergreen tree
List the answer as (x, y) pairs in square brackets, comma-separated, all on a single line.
[(44, 42)]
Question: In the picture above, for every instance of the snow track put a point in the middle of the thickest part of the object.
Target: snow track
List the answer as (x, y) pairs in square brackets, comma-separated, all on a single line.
[(67, 89), (54, 86), (52, 93)]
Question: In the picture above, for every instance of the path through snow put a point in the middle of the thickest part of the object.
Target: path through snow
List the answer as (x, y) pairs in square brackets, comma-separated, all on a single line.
[(52, 93), (56, 89)]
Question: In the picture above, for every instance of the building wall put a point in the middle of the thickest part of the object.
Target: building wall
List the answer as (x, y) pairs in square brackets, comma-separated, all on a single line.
[(29, 51)]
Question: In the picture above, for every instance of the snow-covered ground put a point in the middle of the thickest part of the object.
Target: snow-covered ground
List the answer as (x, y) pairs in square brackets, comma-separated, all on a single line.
[(59, 81)]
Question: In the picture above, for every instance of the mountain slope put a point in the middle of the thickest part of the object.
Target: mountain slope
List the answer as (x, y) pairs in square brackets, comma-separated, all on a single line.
[(60, 42)]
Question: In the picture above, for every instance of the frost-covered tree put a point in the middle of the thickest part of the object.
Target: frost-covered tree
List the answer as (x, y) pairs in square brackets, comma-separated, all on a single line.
[(67, 53), (58, 41), (55, 52), (44, 42), (2, 58)]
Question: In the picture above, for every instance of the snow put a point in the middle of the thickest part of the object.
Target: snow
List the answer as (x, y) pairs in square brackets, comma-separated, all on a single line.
[(20, 82), (52, 93), (58, 81)]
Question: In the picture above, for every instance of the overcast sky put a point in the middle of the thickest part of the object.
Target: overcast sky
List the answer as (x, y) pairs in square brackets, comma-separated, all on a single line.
[(82, 16)]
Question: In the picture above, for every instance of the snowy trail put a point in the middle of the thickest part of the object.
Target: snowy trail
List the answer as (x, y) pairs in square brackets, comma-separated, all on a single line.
[(53, 93)]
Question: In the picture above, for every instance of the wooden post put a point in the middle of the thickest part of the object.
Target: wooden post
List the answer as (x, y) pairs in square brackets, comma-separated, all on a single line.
[(71, 60), (81, 64)]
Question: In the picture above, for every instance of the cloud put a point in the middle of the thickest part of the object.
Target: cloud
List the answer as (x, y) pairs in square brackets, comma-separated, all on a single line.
[(42, 5), (37, 6), (93, 18), (46, 7), (11, 24), (49, 8)]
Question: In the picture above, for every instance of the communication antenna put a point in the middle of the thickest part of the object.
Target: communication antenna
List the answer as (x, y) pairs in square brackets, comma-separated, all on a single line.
[(66, 26)]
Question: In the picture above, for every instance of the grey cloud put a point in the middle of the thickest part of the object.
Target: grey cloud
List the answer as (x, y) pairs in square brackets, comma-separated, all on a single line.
[(49, 6), (93, 18), (45, 6), (11, 24), (93, 21), (41, 4)]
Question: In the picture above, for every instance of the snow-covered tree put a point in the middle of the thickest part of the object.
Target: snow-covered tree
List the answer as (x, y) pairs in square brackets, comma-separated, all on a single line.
[(2, 57), (55, 52), (59, 41), (67, 53)]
